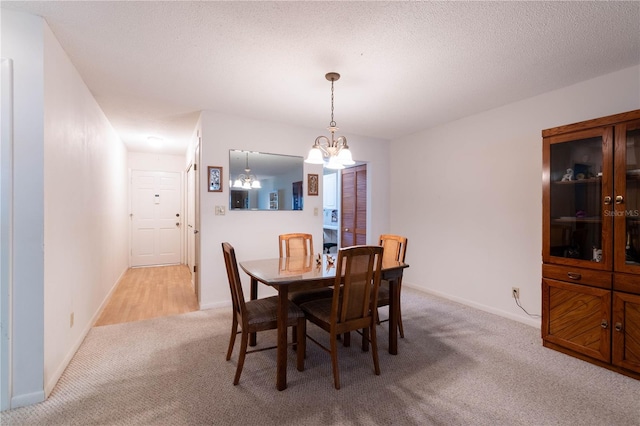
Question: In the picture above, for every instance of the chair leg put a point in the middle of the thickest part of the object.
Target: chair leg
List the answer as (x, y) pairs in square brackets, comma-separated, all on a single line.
[(243, 352), (400, 327), (302, 342), (334, 362), (232, 339), (294, 337), (346, 339), (365, 340), (374, 349)]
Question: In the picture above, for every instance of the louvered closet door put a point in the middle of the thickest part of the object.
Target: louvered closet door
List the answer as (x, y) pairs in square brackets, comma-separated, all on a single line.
[(354, 206)]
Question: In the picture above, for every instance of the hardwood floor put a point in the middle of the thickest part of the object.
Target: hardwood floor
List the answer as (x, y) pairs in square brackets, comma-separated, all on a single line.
[(152, 292)]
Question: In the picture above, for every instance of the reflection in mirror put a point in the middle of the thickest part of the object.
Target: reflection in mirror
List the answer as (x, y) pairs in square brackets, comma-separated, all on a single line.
[(279, 177)]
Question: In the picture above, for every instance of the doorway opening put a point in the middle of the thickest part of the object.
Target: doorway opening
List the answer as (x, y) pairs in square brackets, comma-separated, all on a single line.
[(344, 205)]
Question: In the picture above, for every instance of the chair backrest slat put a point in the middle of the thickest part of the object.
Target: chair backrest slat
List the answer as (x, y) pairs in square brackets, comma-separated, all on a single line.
[(395, 247), (295, 245), (356, 289)]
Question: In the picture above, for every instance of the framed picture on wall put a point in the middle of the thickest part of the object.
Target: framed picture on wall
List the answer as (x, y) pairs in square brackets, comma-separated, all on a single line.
[(215, 178), (312, 184)]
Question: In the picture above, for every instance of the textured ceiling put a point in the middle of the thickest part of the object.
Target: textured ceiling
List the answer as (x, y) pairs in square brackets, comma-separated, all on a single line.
[(405, 66)]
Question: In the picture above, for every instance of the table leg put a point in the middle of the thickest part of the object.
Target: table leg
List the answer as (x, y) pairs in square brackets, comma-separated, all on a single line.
[(254, 295), (394, 307), (281, 357)]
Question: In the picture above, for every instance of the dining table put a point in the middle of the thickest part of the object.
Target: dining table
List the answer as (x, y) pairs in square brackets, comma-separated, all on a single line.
[(308, 272)]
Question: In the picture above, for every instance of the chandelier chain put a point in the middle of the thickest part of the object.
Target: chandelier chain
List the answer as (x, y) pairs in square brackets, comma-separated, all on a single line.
[(332, 123)]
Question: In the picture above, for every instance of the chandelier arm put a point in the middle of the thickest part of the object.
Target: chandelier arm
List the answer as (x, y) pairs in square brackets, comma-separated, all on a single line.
[(322, 146), (342, 142)]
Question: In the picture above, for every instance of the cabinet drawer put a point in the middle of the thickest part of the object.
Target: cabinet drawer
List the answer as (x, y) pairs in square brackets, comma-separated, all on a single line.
[(627, 283), (578, 275)]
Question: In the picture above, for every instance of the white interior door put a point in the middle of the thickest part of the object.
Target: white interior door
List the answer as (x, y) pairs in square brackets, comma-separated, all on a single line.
[(156, 218)]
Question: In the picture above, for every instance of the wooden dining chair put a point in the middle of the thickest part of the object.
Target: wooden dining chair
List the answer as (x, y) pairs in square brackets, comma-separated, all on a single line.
[(353, 304), (296, 245), (395, 248), (257, 315)]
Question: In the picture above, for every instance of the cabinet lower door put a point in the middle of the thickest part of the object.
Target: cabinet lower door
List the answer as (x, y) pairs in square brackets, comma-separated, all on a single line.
[(626, 334), (576, 317)]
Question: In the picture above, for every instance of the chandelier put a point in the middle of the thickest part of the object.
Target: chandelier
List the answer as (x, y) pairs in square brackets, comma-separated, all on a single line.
[(336, 150), (246, 180)]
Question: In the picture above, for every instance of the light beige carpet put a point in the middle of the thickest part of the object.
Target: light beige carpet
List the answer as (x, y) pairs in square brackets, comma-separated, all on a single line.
[(456, 366)]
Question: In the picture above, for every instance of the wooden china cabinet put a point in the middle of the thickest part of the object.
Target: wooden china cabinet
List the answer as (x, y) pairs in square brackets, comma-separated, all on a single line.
[(591, 241)]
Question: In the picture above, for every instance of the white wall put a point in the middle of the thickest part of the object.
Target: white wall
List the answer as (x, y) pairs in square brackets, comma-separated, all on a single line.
[(70, 217), (254, 234), (156, 162), (475, 223), (86, 213), (22, 41)]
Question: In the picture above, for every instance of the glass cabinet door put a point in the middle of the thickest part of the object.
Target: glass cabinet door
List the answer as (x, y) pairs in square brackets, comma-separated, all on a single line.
[(627, 197), (578, 183)]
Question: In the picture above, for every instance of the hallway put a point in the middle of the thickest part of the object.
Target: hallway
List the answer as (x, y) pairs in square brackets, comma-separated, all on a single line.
[(151, 292)]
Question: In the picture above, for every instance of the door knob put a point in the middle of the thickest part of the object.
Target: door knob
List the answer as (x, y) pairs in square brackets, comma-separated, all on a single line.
[(195, 231), (607, 200), (604, 324), (619, 199), (618, 326), (177, 223)]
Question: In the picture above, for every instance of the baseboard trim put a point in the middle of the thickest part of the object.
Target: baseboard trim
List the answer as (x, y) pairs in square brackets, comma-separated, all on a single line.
[(528, 321), (18, 401), (205, 306)]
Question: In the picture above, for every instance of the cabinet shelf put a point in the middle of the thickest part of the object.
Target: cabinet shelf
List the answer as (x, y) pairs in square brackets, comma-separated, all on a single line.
[(578, 181), (595, 219), (633, 174)]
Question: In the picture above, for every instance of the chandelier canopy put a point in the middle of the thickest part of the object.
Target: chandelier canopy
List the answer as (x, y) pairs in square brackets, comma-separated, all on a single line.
[(247, 180), (335, 150)]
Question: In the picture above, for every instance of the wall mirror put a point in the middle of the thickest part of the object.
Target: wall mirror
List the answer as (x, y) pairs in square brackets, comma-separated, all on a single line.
[(261, 181)]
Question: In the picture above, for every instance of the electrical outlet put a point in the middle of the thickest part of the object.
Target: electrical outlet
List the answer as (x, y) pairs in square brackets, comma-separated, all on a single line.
[(71, 320), (515, 292)]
